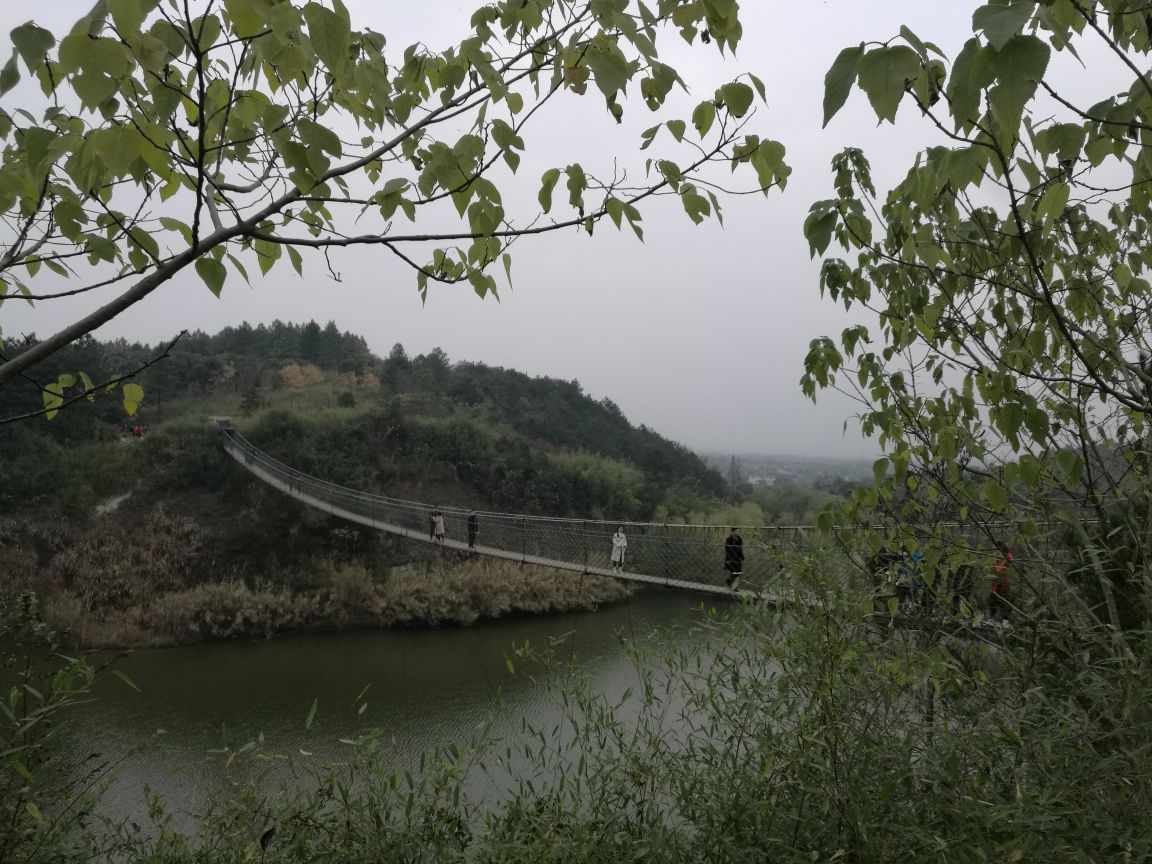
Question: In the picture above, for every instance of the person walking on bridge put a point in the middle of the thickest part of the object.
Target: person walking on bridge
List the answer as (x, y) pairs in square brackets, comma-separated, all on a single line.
[(734, 557), (438, 526), (473, 527), (619, 544)]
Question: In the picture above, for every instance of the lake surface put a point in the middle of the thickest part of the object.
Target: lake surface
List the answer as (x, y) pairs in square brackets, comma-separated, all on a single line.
[(423, 688)]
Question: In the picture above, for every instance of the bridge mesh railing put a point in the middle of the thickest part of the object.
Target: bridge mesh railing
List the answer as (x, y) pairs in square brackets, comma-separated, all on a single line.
[(692, 553), (688, 553)]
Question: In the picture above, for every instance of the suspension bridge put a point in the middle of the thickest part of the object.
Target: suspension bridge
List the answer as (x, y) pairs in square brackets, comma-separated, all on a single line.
[(687, 557)]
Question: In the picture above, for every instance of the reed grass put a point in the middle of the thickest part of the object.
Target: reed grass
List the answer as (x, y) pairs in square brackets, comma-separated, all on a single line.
[(345, 596)]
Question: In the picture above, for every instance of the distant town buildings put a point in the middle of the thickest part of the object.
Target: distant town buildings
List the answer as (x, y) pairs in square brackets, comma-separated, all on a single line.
[(832, 474)]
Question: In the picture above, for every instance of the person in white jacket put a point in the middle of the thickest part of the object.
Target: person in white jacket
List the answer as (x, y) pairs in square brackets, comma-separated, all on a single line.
[(619, 544)]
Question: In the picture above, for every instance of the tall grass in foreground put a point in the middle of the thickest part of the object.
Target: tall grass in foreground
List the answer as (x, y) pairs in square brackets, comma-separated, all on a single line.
[(802, 735)]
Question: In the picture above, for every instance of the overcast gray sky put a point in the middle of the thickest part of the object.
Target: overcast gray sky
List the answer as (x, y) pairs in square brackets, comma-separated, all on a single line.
[(699, 332)]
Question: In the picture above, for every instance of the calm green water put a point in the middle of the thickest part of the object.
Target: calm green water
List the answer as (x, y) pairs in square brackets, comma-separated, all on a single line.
[(425, 688)]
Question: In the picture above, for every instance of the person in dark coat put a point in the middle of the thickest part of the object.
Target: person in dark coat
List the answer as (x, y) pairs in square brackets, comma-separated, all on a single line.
[(734, 557), (473, 527)]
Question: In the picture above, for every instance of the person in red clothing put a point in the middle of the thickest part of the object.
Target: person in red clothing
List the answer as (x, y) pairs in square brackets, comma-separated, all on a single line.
[(999, 606)]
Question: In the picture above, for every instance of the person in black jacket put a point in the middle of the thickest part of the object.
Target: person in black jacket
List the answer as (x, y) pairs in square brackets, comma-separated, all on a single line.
[(473, 527), (734, 557)]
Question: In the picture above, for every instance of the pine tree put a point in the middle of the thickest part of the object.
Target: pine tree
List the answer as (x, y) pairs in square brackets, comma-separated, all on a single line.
[(735, 472)]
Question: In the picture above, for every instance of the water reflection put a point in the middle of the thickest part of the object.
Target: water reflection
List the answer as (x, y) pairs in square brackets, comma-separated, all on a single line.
[(422, 688)]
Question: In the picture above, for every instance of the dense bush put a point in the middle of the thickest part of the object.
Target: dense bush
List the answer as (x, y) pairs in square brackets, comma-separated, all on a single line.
[(798, 735)]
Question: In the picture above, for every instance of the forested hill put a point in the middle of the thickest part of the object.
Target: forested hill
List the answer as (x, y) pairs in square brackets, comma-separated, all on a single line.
[(424, 427)]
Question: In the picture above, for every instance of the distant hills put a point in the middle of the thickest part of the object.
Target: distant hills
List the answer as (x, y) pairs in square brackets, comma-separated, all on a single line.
[(153, 535), (318, 399)]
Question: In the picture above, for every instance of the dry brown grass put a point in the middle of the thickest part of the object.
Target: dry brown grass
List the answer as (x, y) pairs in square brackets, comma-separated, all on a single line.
[(464, 593), (448, 593), (158, 576)]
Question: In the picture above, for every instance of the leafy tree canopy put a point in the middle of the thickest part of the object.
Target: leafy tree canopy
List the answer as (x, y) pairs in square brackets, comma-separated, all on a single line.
[(1009, 377), (229, 135)]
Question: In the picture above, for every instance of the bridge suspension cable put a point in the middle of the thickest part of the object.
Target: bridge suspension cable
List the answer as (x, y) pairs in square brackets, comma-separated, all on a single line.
[(690, 557)]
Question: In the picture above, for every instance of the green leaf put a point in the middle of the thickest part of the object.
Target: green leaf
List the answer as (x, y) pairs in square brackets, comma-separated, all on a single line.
[(759, 85), (649, 135), (126, 680), (128, 15), (839, 80), (884, 73), (703, 117), (213, 273), (53, 396), (609, 67), (577, 183), (482, 283), (1019, 67), (1070, 464), (973, 71), (97, 57), (311, 713), (268, 253), (317, 135), (676, 127), (1000, 22), (88, 388), (768, 160), (695, 204), (1053, 202), (296, 259), (205, 30), (179, 227), (330, 33), (246, 18), (547, 184), (133, 395), (1066, 140), (396, 184), (880, 470), (94, 90), (634, 218), (738, 97), (824, 521), (240, 268), (9, 75), (915, 41), (818, 228), (32, 43)]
